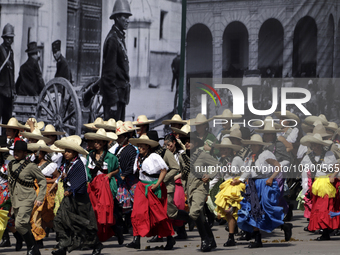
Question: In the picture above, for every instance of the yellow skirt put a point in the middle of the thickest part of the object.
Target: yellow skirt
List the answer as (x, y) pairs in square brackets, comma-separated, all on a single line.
[(229, 196), (322, 187)]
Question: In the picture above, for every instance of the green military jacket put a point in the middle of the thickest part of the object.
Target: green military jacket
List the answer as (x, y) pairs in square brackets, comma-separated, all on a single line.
[(22, 195), (171, 162)]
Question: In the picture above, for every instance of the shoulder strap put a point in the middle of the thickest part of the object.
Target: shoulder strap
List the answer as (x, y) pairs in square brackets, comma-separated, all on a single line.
[(5, 55), (14, 176)]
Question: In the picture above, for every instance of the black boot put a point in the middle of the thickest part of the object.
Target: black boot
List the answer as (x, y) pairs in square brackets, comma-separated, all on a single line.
[(181, 233), (211, 216), (18, 237), (191, 224), (118, 233), (40, 244), (210, 235), (5, 239), (98, 249), (289, 214), (60, 251), (170, 242), (205, 242), (135, 244), (32, 248), (246, 236), (155, 239), (325, 236), (258, 242), (287, 228), (230, 242)]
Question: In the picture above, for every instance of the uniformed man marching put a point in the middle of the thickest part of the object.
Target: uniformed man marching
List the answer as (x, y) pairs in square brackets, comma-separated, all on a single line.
[(21, 176)]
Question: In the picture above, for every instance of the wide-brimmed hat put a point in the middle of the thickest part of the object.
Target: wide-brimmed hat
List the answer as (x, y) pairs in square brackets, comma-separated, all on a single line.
[(32, 47), (332, 126), (228, 115), (56, 149), (289, 115), (121, 130), (36, 134), (176, 119), (200, 119), (37, 125), (129, 125), (50, 130), (268, 128), (108, 125), (235, 126), (321, 130), (112, 135), (226, 143), (315, 138), (267, 119), (93, 124), (144, 139), (3, 144), (142, 120), (70, 143), (183, 131), (311, 119), (236, 133), (99, 135), (40, 145), (13, 123), (153, 135), (255, 139)]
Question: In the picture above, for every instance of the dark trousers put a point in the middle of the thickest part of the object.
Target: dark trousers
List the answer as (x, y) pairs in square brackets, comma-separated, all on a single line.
[(119, 114), (175, 79), (6, 109)]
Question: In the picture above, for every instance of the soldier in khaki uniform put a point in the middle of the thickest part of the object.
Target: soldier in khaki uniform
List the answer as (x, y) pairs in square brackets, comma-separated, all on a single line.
[(21, 176)]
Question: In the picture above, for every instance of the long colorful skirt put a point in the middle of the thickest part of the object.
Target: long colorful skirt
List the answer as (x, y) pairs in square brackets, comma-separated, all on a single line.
[(126, 193), (5, 203)]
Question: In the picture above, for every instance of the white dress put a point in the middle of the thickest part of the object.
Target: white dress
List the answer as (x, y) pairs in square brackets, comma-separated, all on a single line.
[(153, 164)]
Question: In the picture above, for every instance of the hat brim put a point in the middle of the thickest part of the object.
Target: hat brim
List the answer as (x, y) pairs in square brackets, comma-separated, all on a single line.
[(249, 142), (308, 140), (113, 14), (37, 147), (13, 127), (322, 135), (34, 136), (95, 136), (52, 133), (142, 123), (135, 141), (231, 146), (106, 127), (71, 146), (56, 149), (169, 122), (332, 128), (194, 123), (306, 128), (4, 149), (179, 131), (288, 116), (311, 119)]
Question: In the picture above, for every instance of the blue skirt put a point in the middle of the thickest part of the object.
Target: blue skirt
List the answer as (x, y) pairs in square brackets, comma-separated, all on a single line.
[(272, 216)]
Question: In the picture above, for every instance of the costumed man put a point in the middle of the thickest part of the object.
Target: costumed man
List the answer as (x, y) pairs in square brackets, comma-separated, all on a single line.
[(7, 85), (30, 81), (175, 65), (21, 175), (115, 86), (63, 69)]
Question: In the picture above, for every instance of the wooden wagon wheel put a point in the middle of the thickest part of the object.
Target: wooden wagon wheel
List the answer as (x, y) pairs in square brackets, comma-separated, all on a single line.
[(59, 105)]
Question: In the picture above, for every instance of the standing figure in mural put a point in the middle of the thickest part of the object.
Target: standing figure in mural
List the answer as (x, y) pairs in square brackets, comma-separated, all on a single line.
[(7, 85), (30, 81), (63, 70), (175, 65), (115, 85)]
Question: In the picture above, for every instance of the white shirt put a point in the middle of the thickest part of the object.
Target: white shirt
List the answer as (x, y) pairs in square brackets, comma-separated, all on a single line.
[(292, 136), (92, 165), (152, 165), (49, 169)]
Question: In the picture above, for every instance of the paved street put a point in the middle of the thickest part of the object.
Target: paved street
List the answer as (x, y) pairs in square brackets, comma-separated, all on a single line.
[(301, 243)]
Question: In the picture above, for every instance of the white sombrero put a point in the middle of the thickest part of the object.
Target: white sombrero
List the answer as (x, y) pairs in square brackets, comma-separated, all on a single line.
[(255, 139), (226, 143), (183, 131), (93, 124), (200, 119), (50, 130), (321, 130), (56, 149), (99, 135), (13, 123), (129, 125), (311, 119), (108, 125), (121, 130), (332, 126), (70, 143), (112, 135), (144, 139), (236, 133), (176, 119), (228, 115), (36, 134), (37, 125), (142, 120), (315, 138), (40, 145), (289, 115)]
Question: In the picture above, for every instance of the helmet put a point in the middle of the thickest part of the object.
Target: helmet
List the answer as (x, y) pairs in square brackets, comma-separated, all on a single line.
[(121, 6), (8, 31)]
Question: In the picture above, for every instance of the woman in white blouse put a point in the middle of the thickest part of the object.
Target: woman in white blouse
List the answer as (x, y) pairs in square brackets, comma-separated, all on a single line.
[(325, 189), (150, 220)]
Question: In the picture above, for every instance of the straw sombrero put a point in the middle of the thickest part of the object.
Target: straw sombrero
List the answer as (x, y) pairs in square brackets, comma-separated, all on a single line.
[(36, 134), (13, 123), (226, 143), (93, 124), (50, 130), (289, 115), (119, 123), (108, 125), (311, 119), (255, 139), (37, 125), (200, 119), (121, 130), (176, 119), (236, 133), (183, 131), (40, 145), (315, 138), (99, 135), (234, 127), (112, 135), (56, 149), (129, 125), (267, 119), (268, 128), (70, 143), (228, 115), (321, 130), (75, 138), (332, 126), (144, 139), (142, 120)]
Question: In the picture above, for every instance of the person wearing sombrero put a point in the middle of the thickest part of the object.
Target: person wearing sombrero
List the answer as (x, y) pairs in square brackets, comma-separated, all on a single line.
[(51, 133), (101, 168), (5, 197), (143, 123), (30, 81), (21, 175), (175, 122), (226, 118), (259, 209), (229, 197), (13, 128), (127, 155), (150, 196), (323, 167), (42, 216), (80, 230)]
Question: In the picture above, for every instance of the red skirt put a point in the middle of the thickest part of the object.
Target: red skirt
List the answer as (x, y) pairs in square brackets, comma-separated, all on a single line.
[(319, 217), (179, 201), (149, 214)]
